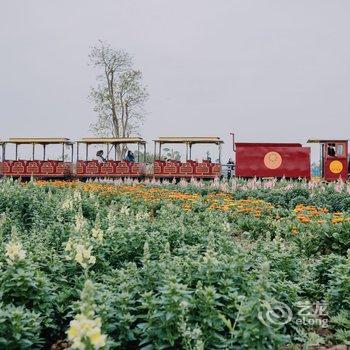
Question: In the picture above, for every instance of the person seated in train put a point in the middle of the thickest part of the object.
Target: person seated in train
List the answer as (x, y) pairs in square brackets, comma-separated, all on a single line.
[(331, 150), (100, 157), (130, 157)]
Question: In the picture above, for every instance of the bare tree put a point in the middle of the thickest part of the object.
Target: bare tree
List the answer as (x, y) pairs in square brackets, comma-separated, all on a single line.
[(119, 96)]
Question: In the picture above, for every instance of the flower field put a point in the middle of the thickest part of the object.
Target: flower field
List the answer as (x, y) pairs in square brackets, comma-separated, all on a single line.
[(129, 265)]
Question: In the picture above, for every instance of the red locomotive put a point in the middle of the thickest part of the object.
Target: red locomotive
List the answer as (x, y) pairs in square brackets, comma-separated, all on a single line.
[(261, 160), (290, 160)]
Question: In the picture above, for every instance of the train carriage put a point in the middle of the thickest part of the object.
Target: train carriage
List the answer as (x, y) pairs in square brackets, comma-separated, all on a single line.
[(33, 166), (171, 168), (113, 168), (289, 160)]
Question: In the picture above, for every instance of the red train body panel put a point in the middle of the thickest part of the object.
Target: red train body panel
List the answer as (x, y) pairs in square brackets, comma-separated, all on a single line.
[(335, 169), (189, 169), (111, 168), (290, 160), (37, 168)]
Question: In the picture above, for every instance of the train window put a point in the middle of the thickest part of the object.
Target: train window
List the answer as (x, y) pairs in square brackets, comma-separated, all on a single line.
[(331, 150), (340, 150)]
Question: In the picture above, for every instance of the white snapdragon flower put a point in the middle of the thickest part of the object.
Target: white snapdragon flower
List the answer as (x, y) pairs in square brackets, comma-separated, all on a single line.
[(14, 252), (68, 204), (84, 331), (83, 255), (97, 233), (124, 210)]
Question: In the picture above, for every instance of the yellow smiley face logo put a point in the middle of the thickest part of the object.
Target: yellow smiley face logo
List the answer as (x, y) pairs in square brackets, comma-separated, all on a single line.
[(272, 160), (336, 167)]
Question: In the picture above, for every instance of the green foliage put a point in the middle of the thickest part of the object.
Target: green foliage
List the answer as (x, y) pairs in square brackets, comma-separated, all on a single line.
[(165, 277), (341, 325), (22, 285), (338, 292), (19, 328)]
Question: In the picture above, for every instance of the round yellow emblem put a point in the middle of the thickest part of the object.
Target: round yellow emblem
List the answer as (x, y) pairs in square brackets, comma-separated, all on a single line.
[(272, 160), (336, 167)]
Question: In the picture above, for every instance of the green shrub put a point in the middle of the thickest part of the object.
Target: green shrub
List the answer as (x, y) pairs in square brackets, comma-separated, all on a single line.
[(19, 328)]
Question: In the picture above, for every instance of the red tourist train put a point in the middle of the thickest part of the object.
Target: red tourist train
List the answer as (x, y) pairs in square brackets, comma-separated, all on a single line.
[(291, 160), (260, 160)]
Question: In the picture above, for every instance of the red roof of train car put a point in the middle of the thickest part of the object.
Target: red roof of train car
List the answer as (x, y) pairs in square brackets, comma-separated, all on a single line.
[(268, 144)]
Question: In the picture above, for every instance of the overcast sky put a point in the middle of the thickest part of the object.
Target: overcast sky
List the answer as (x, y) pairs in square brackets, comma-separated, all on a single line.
[(269, 70)]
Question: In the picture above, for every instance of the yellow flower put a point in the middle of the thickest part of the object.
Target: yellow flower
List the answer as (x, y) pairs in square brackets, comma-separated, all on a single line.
[(97, 339), (294, 231), (337, 220), (83, 329), (74, 330)]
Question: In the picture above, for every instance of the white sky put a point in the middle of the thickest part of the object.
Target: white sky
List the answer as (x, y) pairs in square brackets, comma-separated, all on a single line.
[(269, 70)]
